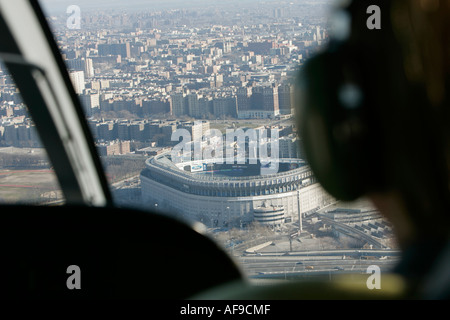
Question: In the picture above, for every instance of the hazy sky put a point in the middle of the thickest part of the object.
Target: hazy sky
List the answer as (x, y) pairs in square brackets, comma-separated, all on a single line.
[(60, 6)]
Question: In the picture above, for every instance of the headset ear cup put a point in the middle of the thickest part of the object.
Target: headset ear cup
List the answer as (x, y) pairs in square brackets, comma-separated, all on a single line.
[(334, 156)]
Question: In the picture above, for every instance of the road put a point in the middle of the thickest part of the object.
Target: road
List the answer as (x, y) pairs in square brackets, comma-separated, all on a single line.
[(314, 262), (343, 228), (127, 182)]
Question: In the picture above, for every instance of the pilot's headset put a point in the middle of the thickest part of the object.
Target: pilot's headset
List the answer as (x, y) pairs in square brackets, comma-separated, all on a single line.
[(372, 106)]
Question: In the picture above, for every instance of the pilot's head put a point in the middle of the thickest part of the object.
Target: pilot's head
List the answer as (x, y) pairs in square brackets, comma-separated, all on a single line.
[(374, 111)]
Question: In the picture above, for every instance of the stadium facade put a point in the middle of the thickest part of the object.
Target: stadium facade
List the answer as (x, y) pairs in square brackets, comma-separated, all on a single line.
[(213, 196)]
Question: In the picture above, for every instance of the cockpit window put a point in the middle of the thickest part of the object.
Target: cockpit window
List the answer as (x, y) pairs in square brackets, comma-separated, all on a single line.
[(191, 106), (26, 173)]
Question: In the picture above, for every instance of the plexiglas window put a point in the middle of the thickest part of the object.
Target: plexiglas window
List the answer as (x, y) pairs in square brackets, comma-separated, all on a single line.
[(26, 173), (191, 104)]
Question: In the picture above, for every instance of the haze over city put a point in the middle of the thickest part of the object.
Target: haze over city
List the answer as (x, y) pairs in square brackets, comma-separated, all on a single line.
[(59, 6), (145, 69)]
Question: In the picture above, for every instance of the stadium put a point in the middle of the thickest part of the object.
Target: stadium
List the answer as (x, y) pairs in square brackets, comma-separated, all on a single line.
[(231, 195)]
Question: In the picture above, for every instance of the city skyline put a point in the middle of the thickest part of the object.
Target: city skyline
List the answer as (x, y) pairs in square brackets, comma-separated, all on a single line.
[(60, 6), (230, 66), (145, 68)]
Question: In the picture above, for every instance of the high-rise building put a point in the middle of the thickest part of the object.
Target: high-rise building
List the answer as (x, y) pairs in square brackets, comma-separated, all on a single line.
[(106, 131), (205, 106), (278, 12), (81, 64), (90, 102), (89, 68), (261, 47), (177, 104), (193, 105), (75, 64), (155, 106), (197, 129), (113, 148), (244, 98), (264, 102), (137, 131), (224, 106), (265, 98), (318, 34), (115, 49), (285, 98), (289, 147), (77, 78), (123, 130)]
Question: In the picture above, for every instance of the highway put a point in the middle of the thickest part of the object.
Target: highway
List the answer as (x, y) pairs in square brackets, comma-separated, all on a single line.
[(352, 232), (316, 263), (334, 252)]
